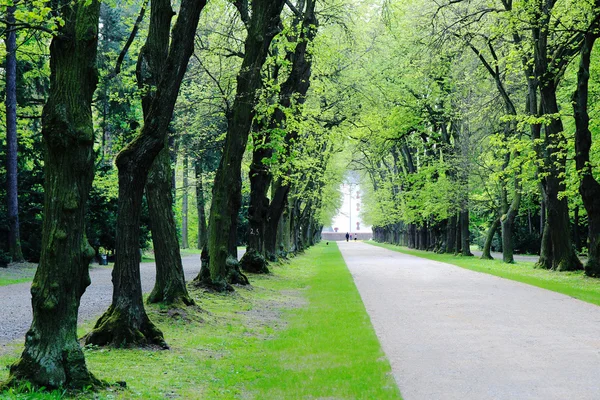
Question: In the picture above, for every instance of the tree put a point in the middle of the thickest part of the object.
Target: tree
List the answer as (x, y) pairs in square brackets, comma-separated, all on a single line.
[(262, 26), (52, 356), (126, 323), (263, 214), (589, 188), (11, 136)]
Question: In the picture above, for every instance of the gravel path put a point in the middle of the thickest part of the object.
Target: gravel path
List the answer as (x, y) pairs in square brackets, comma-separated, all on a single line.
[(451, 333), (15, 315)]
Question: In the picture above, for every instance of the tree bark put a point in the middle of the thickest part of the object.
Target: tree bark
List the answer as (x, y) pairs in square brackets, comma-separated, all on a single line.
[(184, 205), (465, 234), (451, 235), (589, 188), (12, 197), (487, 246), (169, 287), (226, 199), (200, 205), (507, 221), (52, 356), (558, 253), (125, 323), (263, 215), (254, 259)]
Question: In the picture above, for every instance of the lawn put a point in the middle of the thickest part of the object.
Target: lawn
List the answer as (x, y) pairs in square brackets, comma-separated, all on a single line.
[(301, 332), (574, 284), (17, 273)]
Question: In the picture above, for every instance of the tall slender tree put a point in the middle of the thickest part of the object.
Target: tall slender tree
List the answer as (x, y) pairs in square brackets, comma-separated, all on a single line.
[(11, 137), (52, 356)]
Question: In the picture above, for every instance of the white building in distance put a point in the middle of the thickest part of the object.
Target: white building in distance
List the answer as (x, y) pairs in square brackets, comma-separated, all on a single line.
[(349, 218)]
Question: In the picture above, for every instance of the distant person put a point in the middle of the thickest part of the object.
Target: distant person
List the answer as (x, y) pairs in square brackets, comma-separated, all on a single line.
[(350, 236), (355, 238), (347, 236)]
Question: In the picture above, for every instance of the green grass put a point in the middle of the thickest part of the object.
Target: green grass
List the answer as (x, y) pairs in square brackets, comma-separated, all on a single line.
[(301, 332), (17, 273), (574, 284), (6, 282)]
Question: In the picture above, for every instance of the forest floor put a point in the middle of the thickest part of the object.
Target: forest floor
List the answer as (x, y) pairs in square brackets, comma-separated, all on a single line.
[(300, 332), (451, 333)]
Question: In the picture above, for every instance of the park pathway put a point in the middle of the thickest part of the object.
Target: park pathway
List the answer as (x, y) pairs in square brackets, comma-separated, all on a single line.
[(451, 333), (15, 313)]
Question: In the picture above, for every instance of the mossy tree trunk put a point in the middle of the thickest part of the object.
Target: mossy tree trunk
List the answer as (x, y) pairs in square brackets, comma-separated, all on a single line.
[(184, 204), (589, 188), (14, 240), (262, 25), (169, 287), (487, 246), (200, 204), (293, 92), (558, 254), (52, 356), (126, 323), (451, 234)]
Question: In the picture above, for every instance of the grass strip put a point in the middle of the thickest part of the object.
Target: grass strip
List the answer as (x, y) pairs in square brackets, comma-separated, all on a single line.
[(8, 281), (301, 332), (574, 284)]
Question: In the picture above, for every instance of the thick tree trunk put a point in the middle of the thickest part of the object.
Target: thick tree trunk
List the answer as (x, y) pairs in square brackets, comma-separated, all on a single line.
[(184, 205), (52, 356), (200, 205), (125, 323), (560, 254), (277, 208), (254, 259), (589, 188), (576, 238), (169, 287), (508, 221), (226, 200), (487, 246), (451, 235), (14, 240)]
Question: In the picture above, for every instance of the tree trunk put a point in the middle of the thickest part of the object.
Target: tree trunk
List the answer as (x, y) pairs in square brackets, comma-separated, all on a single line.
[(200, 204), (576, 238), (277, 208), (260, 179), (169, 287), (487, 247), (451, 235), (508, 221), (226, 200), (125, 323), (184, 205), (52, 356), (14, 240), (465, 234), (561, 256), (589, 188)]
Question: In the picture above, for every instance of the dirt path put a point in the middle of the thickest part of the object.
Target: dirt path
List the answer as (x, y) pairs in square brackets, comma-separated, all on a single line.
[(451, 333), (15, 315)]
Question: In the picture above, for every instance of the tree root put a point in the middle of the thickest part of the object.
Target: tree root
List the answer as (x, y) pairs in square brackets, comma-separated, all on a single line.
[(254, 262), (117, 329)]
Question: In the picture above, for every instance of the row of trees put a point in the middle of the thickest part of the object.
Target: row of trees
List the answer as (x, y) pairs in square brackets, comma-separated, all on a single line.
[(484, 119), (125, 111)]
